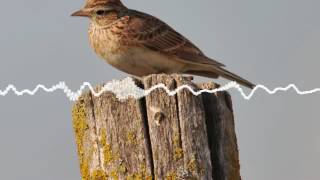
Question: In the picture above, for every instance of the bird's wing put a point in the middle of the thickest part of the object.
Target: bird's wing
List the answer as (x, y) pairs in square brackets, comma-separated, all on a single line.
[(156, 35)]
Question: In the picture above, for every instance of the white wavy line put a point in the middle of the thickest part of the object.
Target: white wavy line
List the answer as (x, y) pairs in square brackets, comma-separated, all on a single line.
[(276, 90), (127, 88)]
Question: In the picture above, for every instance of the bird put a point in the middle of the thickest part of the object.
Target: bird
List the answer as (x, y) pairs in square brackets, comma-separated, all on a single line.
[(140, 44)]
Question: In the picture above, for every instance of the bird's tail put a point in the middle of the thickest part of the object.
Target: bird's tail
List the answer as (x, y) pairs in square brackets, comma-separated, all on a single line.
[(233, 77), (215, 72)]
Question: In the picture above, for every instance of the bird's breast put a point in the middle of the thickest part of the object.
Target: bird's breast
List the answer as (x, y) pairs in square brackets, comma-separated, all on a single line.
[(103, 41)]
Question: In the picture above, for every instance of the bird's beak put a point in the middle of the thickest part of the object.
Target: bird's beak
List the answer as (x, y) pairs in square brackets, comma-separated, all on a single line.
[(82, 13)]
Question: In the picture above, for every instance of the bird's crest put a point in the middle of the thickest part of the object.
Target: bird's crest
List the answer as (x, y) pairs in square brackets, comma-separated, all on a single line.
[(93, 3)]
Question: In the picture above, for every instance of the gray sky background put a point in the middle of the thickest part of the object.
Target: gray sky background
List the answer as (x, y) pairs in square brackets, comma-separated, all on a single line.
[(271, 42)]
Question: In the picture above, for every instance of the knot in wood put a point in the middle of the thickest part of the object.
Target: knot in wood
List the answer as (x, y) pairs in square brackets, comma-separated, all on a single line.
[(158, 117)]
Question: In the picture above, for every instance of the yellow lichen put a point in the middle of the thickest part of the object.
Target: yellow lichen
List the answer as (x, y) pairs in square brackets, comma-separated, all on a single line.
[(114, 175), (103, 137), (132, 139), (80, 126), (141, 174), (178, 151), (138, 176), (134, 176), (122, 169), (171, 176), (192, 165), (107, 152), (98, 174), (176, 139), (84, 168)]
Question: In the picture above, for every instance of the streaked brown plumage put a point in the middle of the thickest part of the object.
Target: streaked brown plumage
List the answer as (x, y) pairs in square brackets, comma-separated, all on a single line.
[(140, 44)]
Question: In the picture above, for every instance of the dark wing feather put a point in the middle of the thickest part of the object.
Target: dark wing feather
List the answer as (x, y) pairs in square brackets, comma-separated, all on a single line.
[(154, 34)]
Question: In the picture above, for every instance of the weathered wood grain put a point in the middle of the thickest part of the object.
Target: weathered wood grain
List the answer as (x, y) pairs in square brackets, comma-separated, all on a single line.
[(159, 136), (197, 160), (221, 134), (118, 140), (163, 121)]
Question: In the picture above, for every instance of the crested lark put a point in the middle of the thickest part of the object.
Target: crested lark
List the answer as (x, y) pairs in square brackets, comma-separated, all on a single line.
[(140, 44)]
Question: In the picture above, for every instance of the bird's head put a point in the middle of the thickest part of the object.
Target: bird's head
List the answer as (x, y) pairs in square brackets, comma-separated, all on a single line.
[(101, 11)]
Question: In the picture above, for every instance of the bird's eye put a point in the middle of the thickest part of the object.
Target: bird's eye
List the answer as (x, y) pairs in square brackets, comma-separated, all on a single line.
[(100, 12)]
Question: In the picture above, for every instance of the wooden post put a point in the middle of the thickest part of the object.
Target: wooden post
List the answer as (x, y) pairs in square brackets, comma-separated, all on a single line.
[(159, 136)]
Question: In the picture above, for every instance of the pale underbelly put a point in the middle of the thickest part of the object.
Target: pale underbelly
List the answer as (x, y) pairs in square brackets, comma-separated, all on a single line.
[(142, 62)]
